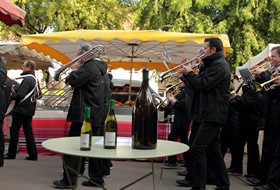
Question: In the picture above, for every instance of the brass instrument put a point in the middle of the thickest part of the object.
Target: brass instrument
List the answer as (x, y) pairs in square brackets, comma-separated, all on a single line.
[(164, 75), (94, 52), (66, 91), (266, 85), (175, 91), (265, 65)]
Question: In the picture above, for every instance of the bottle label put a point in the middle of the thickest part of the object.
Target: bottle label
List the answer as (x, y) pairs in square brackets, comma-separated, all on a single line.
[(110, 138), (84, 140)]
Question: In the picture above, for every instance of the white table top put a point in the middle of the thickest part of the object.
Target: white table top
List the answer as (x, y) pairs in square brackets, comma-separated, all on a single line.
[(71, 146)]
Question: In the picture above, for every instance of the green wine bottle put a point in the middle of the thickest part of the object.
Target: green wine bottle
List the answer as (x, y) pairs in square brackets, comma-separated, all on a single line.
[(111, 128), (144, 117), (86, 132)]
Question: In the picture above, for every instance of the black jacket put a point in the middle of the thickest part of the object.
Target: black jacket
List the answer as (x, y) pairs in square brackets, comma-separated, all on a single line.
[(181, 119), (212, 85), (27, 107), (89, 91), (3, 76), (249, 108), (274, 119)]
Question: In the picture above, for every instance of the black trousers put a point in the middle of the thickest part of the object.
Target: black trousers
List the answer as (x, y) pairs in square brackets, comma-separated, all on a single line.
[(210, 176), (95, 167), (273, 176), (2, 143), (19, 120), (268, 148), (175, 133), (249, 136), (208, 135)]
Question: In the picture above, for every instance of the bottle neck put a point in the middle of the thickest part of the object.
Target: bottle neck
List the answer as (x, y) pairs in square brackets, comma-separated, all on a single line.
[(145, 82), (87, 113), (111, 106)]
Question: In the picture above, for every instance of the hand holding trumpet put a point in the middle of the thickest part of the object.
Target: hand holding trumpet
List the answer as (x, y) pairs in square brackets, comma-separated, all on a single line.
[(185, 69), (276, 81)]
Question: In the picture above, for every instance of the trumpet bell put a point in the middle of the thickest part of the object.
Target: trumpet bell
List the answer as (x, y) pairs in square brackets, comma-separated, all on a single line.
[(258, 87)]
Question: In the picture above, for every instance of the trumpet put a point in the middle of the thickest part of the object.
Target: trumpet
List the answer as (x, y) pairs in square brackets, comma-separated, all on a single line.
[(164, 75), (163, 104), (266, 85)]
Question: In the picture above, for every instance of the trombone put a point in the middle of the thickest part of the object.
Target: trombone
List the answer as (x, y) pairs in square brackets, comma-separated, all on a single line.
[(266, 85), (265, 65), (94, 52), (164, 75)]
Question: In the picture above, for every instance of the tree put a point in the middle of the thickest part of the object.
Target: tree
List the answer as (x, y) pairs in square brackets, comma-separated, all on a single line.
[(63, 15), (250, 24)]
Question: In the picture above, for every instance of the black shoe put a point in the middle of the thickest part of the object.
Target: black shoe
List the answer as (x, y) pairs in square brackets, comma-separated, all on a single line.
[(234, 171), (31, 158), (182, 173), (184, 183), (170, 166), (7, 157), (106, 175), (264, 187), (255, 181), (90, 184), (222, 188), (250, 176), (60, 184)]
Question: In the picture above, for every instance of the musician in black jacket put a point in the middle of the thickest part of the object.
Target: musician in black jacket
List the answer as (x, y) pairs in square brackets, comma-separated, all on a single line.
[(23, 113), (181, 124), (91, 87), (249, 107), (213, 86), (3, 76), (269, 171), (270, 110)]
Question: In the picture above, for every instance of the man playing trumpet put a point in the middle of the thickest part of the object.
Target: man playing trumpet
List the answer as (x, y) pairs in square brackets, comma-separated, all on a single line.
[(212, 85), (269, 168)]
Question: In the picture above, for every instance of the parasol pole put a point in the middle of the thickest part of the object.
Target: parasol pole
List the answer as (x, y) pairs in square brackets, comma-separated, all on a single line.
[(131, 63)]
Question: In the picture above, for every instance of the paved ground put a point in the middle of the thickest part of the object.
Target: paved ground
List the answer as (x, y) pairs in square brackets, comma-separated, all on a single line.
[(29, 175)]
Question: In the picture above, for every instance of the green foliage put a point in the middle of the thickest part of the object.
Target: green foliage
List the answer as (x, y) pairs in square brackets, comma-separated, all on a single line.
[(63, 15), (250, 24)]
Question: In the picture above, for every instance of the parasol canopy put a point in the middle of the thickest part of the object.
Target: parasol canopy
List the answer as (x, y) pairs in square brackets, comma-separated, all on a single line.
[(15, 55), (125, 49), (11, 14)]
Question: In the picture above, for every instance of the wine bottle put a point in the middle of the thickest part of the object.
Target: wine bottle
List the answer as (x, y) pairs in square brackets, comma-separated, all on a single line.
[(144, 117), (111, 128), (86, 132)]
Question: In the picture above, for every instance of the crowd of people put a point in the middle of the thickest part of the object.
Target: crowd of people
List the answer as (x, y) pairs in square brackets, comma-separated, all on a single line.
[(210, 116), (223, 119)]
